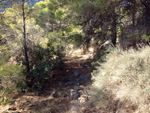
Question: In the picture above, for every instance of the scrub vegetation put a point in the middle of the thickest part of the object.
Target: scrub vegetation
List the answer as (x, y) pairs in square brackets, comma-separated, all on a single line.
[(65, 45)]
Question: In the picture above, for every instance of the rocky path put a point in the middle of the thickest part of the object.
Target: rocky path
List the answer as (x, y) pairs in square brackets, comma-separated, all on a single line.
[(67, 91)]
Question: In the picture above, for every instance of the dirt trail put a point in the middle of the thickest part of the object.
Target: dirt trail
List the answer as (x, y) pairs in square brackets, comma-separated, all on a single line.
[(64, 92)]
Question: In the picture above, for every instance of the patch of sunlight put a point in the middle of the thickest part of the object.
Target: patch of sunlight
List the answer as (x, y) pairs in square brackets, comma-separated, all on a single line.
[(115, 78), (78, 51), (4, 107), (123, 92), (91, 49)]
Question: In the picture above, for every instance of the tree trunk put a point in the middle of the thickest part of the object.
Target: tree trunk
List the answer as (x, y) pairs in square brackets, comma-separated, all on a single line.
[(133, 15), (113, 29), (24, 38), (146, 4), (147, 21)]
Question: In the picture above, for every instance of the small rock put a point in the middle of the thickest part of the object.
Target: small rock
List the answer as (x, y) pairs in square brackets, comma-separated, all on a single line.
[(76, 74), (82, 86), (85, 82), (65, 80), (78, 82), (59, 101), (84, 77), (59, 94), (32, 105), (78, 88), (28, 101), (16, 112), (70, 83), (83, 99), (75, 94), (12, 108), (64, 95), (43, 101)]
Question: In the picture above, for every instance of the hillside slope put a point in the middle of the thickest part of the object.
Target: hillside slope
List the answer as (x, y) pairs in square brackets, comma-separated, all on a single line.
[(122, 84)]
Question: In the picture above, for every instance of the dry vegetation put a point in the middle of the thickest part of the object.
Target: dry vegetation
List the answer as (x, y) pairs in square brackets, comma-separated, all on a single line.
[(122, 84)]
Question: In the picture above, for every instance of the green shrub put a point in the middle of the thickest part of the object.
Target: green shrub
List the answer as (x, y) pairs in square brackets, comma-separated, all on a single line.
[(94, 72), (42, 62), (11, 81), (93, 63)]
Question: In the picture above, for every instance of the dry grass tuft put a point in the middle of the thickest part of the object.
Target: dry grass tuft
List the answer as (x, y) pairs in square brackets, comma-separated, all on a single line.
[(123, 82)]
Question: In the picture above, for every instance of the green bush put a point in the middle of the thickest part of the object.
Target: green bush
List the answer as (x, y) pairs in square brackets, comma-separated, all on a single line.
[(42, 62), (11, 81)]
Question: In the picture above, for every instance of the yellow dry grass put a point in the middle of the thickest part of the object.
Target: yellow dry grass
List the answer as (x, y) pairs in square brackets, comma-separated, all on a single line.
[(124, 78)]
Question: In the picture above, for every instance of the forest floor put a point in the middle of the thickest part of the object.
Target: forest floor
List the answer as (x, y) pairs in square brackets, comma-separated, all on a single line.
[(66, 92)]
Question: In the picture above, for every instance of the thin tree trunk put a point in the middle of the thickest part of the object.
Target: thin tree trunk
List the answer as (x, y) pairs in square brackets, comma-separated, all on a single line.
[(147, 21), (113, 29), (24, 38), (133, 15), (146, 4)]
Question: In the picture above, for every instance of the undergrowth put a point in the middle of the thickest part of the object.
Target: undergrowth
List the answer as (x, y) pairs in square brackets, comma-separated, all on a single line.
[(123, 82), (11, 81), (14, 78)]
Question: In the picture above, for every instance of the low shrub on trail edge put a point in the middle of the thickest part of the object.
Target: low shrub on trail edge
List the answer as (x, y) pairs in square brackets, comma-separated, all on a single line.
[(123, 82), (42, 62), (11, 81), (14, 78)]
